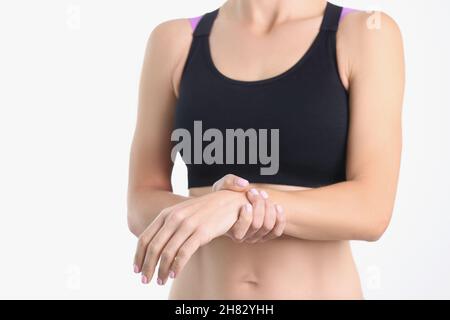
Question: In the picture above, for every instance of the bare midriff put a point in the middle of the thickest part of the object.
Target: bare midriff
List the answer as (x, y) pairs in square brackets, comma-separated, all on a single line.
[(283, 268)]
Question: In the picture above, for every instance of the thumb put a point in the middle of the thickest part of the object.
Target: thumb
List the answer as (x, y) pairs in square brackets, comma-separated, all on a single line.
[(232, 183)]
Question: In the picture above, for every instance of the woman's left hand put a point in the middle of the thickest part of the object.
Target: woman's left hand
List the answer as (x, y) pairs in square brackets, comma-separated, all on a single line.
[(267, 220)]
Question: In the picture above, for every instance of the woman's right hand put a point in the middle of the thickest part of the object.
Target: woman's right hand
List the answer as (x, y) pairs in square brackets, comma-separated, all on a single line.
[(259, 222), (178, 231)]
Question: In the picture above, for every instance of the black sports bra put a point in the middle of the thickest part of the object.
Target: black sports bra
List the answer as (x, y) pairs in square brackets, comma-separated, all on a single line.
[(295, 125)]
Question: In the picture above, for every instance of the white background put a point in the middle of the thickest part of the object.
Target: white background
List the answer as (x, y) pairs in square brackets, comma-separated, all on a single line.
[(69, 74)]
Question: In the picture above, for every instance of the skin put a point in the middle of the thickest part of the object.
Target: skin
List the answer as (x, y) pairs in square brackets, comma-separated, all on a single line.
[(279, 241)]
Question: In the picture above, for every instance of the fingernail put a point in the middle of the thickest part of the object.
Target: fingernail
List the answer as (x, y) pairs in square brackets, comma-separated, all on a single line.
[(248, 208), (241, 182), (136, 269), (254, 192), (279, 208), (159, 281), (264, 194), (144, 280), (172, 275)]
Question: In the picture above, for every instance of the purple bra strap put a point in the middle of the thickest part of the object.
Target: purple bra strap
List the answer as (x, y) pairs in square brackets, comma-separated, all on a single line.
[(346, 11), (194, 22)]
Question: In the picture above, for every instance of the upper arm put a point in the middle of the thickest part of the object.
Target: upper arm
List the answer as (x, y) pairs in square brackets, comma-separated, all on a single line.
[(372, 59), (166, 51)]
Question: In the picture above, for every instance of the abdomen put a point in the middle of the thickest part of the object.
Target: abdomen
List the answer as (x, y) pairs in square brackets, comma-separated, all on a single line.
[(283, 268)]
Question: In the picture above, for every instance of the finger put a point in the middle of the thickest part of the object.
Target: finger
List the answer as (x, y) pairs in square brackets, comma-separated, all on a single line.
[(143, 242), (158, 242), (258, 211), (241, 227), (171, 249), (270, 217), (231, 182), (280, 224), (185, 252)]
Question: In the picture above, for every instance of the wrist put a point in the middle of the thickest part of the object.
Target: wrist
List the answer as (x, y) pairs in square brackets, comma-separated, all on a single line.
[(238, 198)]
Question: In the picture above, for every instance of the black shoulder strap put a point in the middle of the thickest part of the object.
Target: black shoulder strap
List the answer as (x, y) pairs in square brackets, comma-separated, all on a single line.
[(332, 17), (205, 25)]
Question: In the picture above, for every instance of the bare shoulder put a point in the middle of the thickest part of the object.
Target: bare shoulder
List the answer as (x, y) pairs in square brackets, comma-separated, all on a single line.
[(173, 34), (367, 27), (169, 42), (369, 38)]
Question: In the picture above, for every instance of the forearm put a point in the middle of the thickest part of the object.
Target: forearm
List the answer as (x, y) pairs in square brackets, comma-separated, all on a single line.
[(344, 211), (144, 205)]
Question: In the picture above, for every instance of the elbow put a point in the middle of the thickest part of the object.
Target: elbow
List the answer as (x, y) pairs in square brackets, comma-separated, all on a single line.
[(133, 224), (376, 226), (132, 220)]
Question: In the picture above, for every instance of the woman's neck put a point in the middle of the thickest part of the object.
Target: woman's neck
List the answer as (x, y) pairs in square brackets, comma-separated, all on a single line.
[(264, 14)]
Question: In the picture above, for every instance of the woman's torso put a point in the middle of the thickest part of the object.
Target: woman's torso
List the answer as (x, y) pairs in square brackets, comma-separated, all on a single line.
[(284, 268)]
